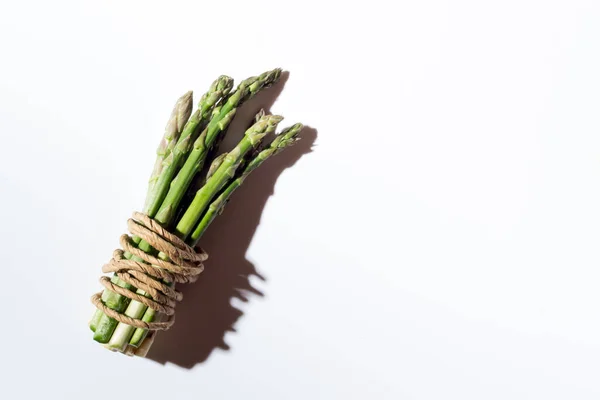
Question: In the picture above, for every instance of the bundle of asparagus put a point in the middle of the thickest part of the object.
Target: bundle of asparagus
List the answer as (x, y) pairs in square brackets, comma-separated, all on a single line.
[(183, 161)]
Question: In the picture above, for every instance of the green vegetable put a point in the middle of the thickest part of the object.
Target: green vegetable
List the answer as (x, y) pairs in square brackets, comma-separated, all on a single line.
[(171, 163), (188, 144), (226, 170), (283, 140)]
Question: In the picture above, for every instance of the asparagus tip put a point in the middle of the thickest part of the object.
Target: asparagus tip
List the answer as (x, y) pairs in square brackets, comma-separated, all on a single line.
[(224, 85), (187, 96), (287, 137), (259, 115)]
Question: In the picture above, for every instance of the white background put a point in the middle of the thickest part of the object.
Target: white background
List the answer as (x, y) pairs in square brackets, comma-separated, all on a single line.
[(439, 242)]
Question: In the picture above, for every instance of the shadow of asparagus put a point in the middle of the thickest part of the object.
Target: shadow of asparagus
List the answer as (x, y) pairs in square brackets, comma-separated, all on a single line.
[(206, 314)]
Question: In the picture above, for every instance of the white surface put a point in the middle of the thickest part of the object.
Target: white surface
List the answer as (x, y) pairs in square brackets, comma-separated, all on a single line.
[(440, 242)]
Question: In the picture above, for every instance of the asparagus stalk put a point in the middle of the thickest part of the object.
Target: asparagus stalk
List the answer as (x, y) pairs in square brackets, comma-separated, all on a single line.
[(226, 171), (222, 116), (179, 116), (246, 90), (285, 139), (214, 184), (220, 87), (140, 334), (194, 163)]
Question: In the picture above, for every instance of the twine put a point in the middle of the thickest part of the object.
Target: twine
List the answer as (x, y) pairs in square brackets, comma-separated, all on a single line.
[(154, 274)]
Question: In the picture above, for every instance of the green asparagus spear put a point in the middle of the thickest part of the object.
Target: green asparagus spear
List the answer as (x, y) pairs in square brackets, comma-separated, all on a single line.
[(213, 185), (194, 163), (140, 334), (225, 172), (220, 87), (285, 139), (222, 116), (179, 117)]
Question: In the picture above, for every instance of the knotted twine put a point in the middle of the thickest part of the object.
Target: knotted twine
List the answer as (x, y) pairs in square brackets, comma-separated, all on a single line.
[(184, 264)]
